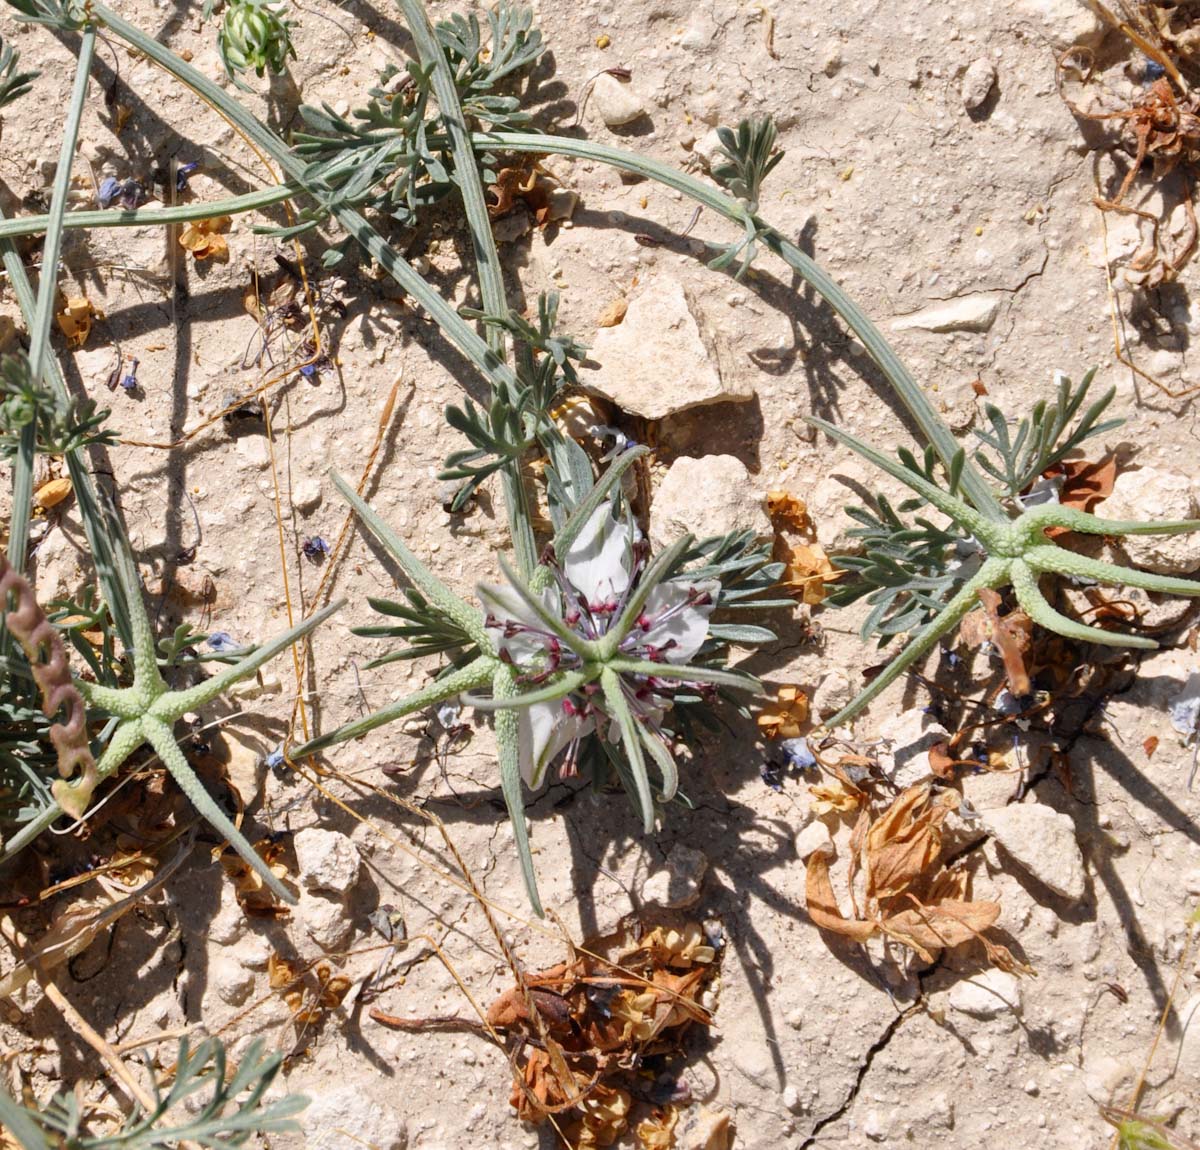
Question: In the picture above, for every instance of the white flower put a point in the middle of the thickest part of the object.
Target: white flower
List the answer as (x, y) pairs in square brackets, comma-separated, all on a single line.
[(594, 583)]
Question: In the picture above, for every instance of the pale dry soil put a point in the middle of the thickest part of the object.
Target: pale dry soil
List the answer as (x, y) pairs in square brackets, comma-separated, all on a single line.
[(910, 202)]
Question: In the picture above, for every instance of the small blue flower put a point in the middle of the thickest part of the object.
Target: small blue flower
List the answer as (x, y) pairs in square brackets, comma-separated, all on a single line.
[(129, 380), (315, 548), (182, 173), (1154, 71), (798, 755), (108, 191), (222, 642), (275, 758), (308, 370)]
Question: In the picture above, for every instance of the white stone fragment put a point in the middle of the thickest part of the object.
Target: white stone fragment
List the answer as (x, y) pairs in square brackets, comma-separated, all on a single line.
[(814, 839), (987, 995), (347, 1118), (1150, 493), (708, 149), (1065, 22), (329, 862), (616, 102), (833, 693), (1042, 842), (232, 981), (678, 884), (306, 495), (907, 739), (325, 920), (977, 83), (709, 496), (656, 362), (975, 312)]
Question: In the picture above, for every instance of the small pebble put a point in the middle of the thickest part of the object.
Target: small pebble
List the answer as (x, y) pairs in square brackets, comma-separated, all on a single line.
[(977, 84)]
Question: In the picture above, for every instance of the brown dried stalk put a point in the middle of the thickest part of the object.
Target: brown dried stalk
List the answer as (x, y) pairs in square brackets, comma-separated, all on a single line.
[(48, 663)]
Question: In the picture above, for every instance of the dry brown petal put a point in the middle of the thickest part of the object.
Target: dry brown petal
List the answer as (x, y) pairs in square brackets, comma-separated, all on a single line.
[(787, 718), (52, 492), (904, 843), (823, 906), (658, 1131), (667, 946), (808, 570), (949, 924), (203, 239), (281, 971), (834, 796), (786, 511), (75, 320)]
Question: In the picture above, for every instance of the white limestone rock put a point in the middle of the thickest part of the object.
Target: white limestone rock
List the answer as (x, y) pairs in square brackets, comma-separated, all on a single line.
[(1042, 842), (1151, 493), (678, 884), (708, 496), (987, 995), (616, 102), (974, 312), (1065, 23), (347, 1118), (658, 361), (329, 861), (977, 83)]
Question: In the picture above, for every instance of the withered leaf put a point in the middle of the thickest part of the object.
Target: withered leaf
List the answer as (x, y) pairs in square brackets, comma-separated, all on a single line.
[(1010, 633), (823, 906)]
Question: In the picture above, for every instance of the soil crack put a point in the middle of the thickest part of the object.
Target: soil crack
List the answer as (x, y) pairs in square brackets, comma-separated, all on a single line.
[(879, 1044)]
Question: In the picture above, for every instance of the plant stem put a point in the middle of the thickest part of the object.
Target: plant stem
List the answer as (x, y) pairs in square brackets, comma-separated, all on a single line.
[(297, 171), (39, 328), (487, 259), (148, 217), (97, 525)]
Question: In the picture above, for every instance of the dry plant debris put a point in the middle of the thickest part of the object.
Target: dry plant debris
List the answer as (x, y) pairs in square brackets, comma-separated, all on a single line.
[(204, 239), (787, 717), (608, 1025), (907, 895)]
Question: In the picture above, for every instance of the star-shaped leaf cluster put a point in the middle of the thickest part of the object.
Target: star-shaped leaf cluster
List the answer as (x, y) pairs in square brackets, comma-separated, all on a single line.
[(147, 711), (1015, 552)]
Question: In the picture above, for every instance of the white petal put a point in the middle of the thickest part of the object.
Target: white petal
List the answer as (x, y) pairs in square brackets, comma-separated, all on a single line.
[(687, 626), (546, 729), (502, 602), (599, 561)]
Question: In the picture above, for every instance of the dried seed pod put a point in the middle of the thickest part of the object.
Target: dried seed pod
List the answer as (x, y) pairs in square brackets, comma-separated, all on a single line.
[(48, 663)]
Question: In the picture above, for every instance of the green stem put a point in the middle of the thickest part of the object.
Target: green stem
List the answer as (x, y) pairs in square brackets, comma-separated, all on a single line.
[(149, 217), (487, 258), (39, 333), (297, 171), (991, 574), (475, 674), (466, 169), (96, 525), (39, 328)]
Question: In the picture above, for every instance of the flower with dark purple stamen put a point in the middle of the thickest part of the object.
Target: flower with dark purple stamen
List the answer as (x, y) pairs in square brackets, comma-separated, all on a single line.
[(315, 548), (602, 605)]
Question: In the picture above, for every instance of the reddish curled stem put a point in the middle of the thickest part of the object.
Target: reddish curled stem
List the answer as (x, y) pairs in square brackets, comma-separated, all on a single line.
[(48, 663)]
